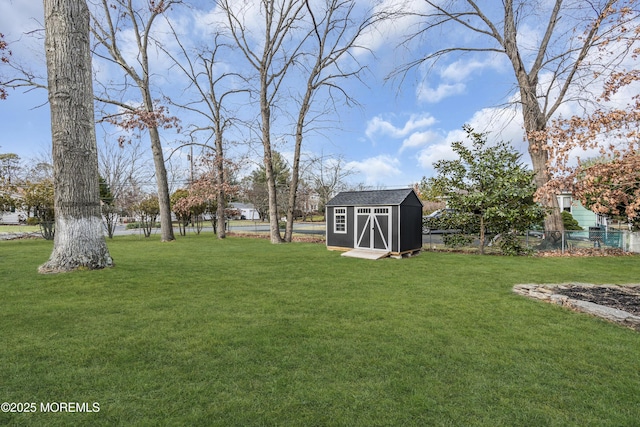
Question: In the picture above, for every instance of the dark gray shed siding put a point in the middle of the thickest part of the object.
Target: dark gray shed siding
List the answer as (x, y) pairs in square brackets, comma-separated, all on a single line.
[(338, 239), (410, 228), (405, 232)]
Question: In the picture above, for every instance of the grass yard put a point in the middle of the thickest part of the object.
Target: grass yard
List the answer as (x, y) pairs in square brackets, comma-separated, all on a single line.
[(240, 332)]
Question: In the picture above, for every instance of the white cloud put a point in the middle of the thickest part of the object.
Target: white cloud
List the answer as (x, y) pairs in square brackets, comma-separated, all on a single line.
[(500, 123), (420, 139), (461, 70), (18, 18), (249, 18), (390, 32), (444, 90), (22, 23), (377, 170), (453, 78), (428, 156), (380, 126), (207, 20)]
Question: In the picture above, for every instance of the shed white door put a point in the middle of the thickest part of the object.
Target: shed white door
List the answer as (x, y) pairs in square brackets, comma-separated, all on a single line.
[(373, 228)]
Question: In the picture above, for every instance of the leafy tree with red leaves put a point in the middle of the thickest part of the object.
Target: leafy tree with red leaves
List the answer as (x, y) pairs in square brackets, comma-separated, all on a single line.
[(610, 183)]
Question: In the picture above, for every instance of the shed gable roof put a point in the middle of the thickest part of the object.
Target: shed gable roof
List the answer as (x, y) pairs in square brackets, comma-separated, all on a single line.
[(372, 198)]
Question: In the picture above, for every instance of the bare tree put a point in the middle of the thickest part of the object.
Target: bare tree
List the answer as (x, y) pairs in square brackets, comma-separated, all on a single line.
[(305, 48), (573, 30), (122, 167), (79, 242), (334, 32), (271, 59), (10, 167), (327, 175), (5, 53), (209, 102), (109, 19), (122, 171)]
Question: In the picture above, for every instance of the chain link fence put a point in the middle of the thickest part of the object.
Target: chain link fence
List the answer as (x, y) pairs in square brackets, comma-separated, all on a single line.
[(538, 241), (593, 238)]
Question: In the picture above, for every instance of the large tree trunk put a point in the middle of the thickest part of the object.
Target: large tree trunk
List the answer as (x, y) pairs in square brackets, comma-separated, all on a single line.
[(534, 123), (295, 170), (553, 224), (482, 234), (293, 188), (220, 182), (164, 201), (265, 109), (274, 226), (79, 241), (162, 183)]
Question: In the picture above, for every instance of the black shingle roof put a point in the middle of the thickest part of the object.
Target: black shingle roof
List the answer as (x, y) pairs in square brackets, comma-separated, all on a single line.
[(370, 198)]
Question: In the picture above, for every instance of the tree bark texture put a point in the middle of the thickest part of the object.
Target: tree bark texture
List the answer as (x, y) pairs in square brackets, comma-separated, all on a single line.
[(534, 122), (295, 170), (79, 241), (535, 119), (274, 227), (164, 200), (220, 182)]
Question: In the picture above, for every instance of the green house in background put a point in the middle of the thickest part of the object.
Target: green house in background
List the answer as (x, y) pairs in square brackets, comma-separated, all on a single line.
[(585, 217)]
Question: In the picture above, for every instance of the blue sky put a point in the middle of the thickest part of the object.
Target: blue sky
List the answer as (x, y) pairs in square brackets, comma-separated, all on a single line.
[(391, 139)]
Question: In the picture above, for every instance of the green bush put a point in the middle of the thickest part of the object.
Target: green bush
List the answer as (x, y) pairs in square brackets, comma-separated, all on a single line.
[(511, 244), (133, 225), (457, 240), (569, 221)]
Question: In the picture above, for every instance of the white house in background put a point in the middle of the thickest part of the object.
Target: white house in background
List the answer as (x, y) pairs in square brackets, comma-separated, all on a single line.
[(247, 211), (13, 218), (15, 215)]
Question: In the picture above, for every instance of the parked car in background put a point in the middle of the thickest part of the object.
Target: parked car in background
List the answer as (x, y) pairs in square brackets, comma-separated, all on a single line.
[(439, 213), (436, 222)]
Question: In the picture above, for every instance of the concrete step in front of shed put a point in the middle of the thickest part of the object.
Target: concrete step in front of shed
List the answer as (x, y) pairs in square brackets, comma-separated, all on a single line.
[(366, 254)]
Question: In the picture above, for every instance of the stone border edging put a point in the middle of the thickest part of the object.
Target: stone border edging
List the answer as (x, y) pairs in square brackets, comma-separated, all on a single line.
[(547, 293), (19, 235)]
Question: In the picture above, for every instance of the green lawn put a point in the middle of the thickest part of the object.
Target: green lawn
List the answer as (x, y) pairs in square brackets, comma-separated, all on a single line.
[(244, 333)]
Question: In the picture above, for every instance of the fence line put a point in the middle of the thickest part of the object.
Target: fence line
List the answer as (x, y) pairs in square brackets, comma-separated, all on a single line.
[(595, 237), (563, 241)]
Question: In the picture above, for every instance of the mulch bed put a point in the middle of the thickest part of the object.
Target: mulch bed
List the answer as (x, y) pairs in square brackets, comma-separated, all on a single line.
[(625, 299), (584, 252), (622, 298)]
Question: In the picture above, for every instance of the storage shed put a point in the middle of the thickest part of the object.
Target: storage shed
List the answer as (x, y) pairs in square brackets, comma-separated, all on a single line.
[(385, 221)]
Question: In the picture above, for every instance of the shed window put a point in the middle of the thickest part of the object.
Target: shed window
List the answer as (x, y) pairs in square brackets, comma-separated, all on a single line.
[(340, 220)]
